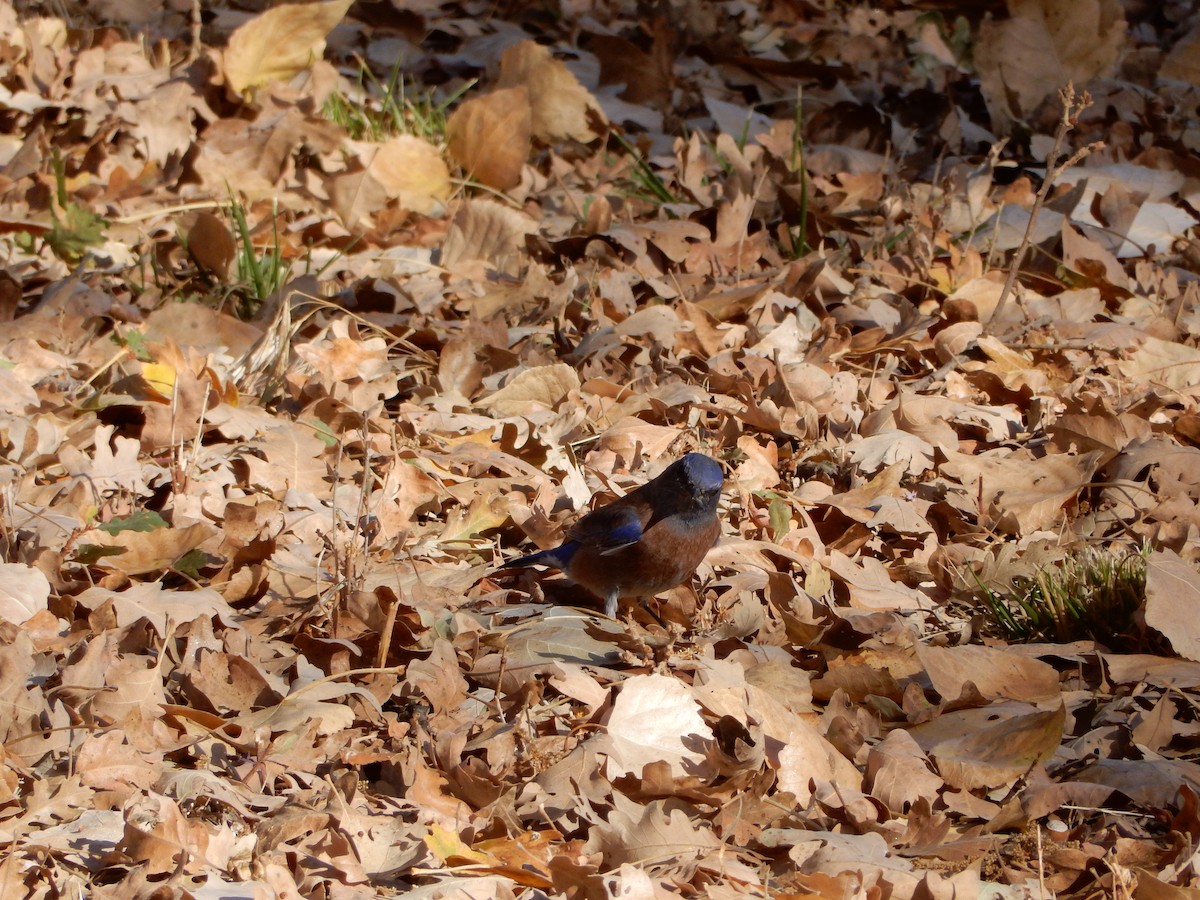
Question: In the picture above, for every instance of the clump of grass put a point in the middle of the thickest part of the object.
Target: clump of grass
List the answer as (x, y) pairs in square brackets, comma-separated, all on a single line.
[(1091, 594), (379, 110), (262, 275), (647, 184)]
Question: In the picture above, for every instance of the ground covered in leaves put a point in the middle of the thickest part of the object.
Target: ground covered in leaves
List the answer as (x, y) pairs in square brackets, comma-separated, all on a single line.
[(314, 314)]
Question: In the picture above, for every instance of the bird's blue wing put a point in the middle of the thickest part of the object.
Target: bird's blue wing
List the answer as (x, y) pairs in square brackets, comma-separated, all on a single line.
[(609, 528)]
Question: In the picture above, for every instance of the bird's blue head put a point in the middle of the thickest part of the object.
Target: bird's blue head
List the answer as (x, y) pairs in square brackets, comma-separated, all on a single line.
[(695, 482), (702, 473)]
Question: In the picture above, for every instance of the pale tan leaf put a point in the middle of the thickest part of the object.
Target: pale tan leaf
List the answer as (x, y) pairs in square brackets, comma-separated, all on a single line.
[(996, 673), (898, 772), (544, 386), (1040, 47), (405, 170), (1172, 599), (561, 107), (152, 551), (809, 761), (656, 719), (486, 231), (280, 43), (1164, 362), (161, 608), (411, 171), (24, 591), (988, 749)]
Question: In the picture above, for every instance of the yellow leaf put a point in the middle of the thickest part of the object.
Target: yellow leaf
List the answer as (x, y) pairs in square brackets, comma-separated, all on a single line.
[(449, 848), (160, 377)]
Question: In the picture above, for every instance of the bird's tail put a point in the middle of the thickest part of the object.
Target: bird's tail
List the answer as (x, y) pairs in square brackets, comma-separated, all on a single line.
[(559, 557)]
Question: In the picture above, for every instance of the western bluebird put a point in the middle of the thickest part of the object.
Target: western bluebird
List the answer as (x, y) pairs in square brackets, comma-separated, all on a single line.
[(650, 540)]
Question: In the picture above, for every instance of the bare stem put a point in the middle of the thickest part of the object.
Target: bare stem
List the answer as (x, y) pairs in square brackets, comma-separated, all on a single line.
[(1072, 107)]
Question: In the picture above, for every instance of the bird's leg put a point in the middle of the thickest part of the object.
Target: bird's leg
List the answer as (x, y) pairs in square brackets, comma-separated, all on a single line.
[(610, 605)]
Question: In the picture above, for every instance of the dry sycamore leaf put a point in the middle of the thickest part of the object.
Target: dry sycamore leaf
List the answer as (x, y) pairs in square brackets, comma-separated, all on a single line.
[(490, 136), (562, 108), (280, 43)]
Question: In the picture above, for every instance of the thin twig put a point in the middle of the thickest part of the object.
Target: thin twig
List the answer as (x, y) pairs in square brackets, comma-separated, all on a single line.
[(1072, 107)]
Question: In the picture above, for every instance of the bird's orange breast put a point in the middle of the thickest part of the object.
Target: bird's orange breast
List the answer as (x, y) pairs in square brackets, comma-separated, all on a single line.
[(666, 555)]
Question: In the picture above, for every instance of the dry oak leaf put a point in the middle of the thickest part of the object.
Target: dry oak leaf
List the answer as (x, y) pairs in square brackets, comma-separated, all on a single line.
[(280, 43), (484, 230), (108, 762), (656, 719), (544, 386), (163, 609), (490, 136), (24, 592), (561, 107), (657, 833), (1022, 495), (114, 465), (1163, 362), (158, 835), (899, 773)]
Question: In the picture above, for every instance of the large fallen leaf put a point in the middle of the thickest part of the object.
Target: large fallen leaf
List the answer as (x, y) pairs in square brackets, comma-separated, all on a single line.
[(24, 591), (163, 609), (561, 107), (545, 386), (990, 746), (1022, 495), (1172, 599), (994, 672), (486, 231), (280, 43), (808, 761), (656, 719), (405, 169), (489, 136), (1040, 47)]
